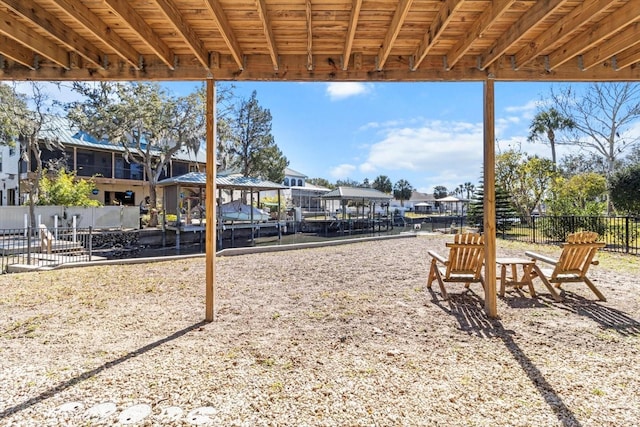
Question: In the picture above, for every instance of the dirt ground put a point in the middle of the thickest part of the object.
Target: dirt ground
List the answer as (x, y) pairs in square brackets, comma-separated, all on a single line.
[(333, 336)]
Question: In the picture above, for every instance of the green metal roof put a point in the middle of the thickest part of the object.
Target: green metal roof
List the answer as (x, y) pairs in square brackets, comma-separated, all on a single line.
[(229, 182)]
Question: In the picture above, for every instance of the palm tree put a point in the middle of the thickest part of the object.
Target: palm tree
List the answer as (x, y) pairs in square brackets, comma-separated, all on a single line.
[(547, 123)]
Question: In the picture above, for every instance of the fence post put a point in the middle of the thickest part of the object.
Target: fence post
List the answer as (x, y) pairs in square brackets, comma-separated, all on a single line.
[(533, 227), (90, 241), (28, 245), (626, 234)]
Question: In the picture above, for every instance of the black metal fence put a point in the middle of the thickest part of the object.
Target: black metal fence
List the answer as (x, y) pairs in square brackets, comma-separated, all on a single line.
[(40, 247), (621, 234)]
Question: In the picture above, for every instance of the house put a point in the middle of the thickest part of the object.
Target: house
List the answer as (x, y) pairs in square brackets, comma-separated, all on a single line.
[(293, 178), (116, 180), (418, 202), (9, 177)]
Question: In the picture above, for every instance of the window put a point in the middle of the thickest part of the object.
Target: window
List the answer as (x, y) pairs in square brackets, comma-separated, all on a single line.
[(12, 151), (286, 182), (0, 162), (299, 183)]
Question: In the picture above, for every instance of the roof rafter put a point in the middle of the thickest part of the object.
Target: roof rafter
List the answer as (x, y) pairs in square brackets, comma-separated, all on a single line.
[(436, 29), (394, 29), (185, 31), (490, 15), (123, 9), (268, 33), (627, 57), (225, 31), (560, 31), (595, 35), (16, 52), (91, 22), (21, 33), (621, 41), (54, 27), (309, 35), (539, 11), (351, 33)]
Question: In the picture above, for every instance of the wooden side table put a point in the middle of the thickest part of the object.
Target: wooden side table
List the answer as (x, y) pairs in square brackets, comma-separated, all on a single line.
[(512, 280)]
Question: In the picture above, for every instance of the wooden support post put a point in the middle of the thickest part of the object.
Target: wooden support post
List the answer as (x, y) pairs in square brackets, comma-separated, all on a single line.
[(210, 205), (490, 300)]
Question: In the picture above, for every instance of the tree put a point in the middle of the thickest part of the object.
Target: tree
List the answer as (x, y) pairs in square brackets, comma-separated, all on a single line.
[(547, 123), (581, 194), (440, 191), (64, 189), (17, 121), (525, 178), (469, 188), (321, 182), (402, 191), (145, 120), (252, 146), (573, 164), (504, 208), (624, 186), (382, 183), (603, 118), (347, 182)]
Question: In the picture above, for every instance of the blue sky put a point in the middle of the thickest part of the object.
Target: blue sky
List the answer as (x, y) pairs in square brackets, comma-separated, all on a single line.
[(427, 133)]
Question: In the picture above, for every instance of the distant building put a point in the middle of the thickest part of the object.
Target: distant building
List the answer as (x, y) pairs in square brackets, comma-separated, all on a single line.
[(116, 180), (9, 176), (293, 178), (419, 203)]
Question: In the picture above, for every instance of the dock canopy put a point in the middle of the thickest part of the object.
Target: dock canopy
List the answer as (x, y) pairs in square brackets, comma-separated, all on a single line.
[(231, 182), (357, 194)]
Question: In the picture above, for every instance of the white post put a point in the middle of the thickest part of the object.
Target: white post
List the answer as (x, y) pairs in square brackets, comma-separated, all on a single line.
[(39, 220), (55, 226), (26, 224), (74, 229)]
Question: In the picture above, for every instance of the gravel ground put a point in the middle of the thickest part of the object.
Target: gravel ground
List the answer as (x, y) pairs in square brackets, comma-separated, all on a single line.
[(334, 336)]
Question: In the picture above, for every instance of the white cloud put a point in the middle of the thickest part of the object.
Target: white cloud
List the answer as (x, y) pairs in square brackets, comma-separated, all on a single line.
[(342, 90), (342, 171), (441, 152)]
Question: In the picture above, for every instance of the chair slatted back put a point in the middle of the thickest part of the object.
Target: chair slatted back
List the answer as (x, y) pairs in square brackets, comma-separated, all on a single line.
[(577, 254), (466, 255)]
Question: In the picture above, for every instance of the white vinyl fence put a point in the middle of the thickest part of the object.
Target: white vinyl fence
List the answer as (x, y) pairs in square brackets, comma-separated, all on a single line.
[(103, 217)]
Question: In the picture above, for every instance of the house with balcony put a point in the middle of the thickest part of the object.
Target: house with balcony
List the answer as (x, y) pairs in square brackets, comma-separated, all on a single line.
[(9, 177), (117, 181)]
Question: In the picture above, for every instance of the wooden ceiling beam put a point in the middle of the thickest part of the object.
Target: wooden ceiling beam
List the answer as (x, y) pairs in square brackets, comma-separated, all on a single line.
[(185, 31), (24, 35), (55, 28), (309, 16), (489, 16), (85, 17), (123, 9), (16, 52), (222, 23), (614, 45), (436, 28), (627, 58), (595, 35), (268, 33), (538, 12), (351, 33), (394, 29), (560, 31), (294, 68)]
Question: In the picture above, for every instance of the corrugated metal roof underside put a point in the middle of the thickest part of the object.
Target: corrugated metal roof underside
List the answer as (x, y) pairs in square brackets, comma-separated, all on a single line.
[(357, 193)]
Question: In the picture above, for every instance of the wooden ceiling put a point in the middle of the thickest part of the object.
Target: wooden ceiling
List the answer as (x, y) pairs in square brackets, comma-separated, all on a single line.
[(320, 40)]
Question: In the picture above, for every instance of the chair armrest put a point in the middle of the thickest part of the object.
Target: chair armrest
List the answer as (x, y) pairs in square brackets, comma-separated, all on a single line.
[(542, 258), (438, 257)]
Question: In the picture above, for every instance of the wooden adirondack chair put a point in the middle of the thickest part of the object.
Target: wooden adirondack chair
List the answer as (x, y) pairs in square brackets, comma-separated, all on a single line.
[(574, 262), (464, 264)]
